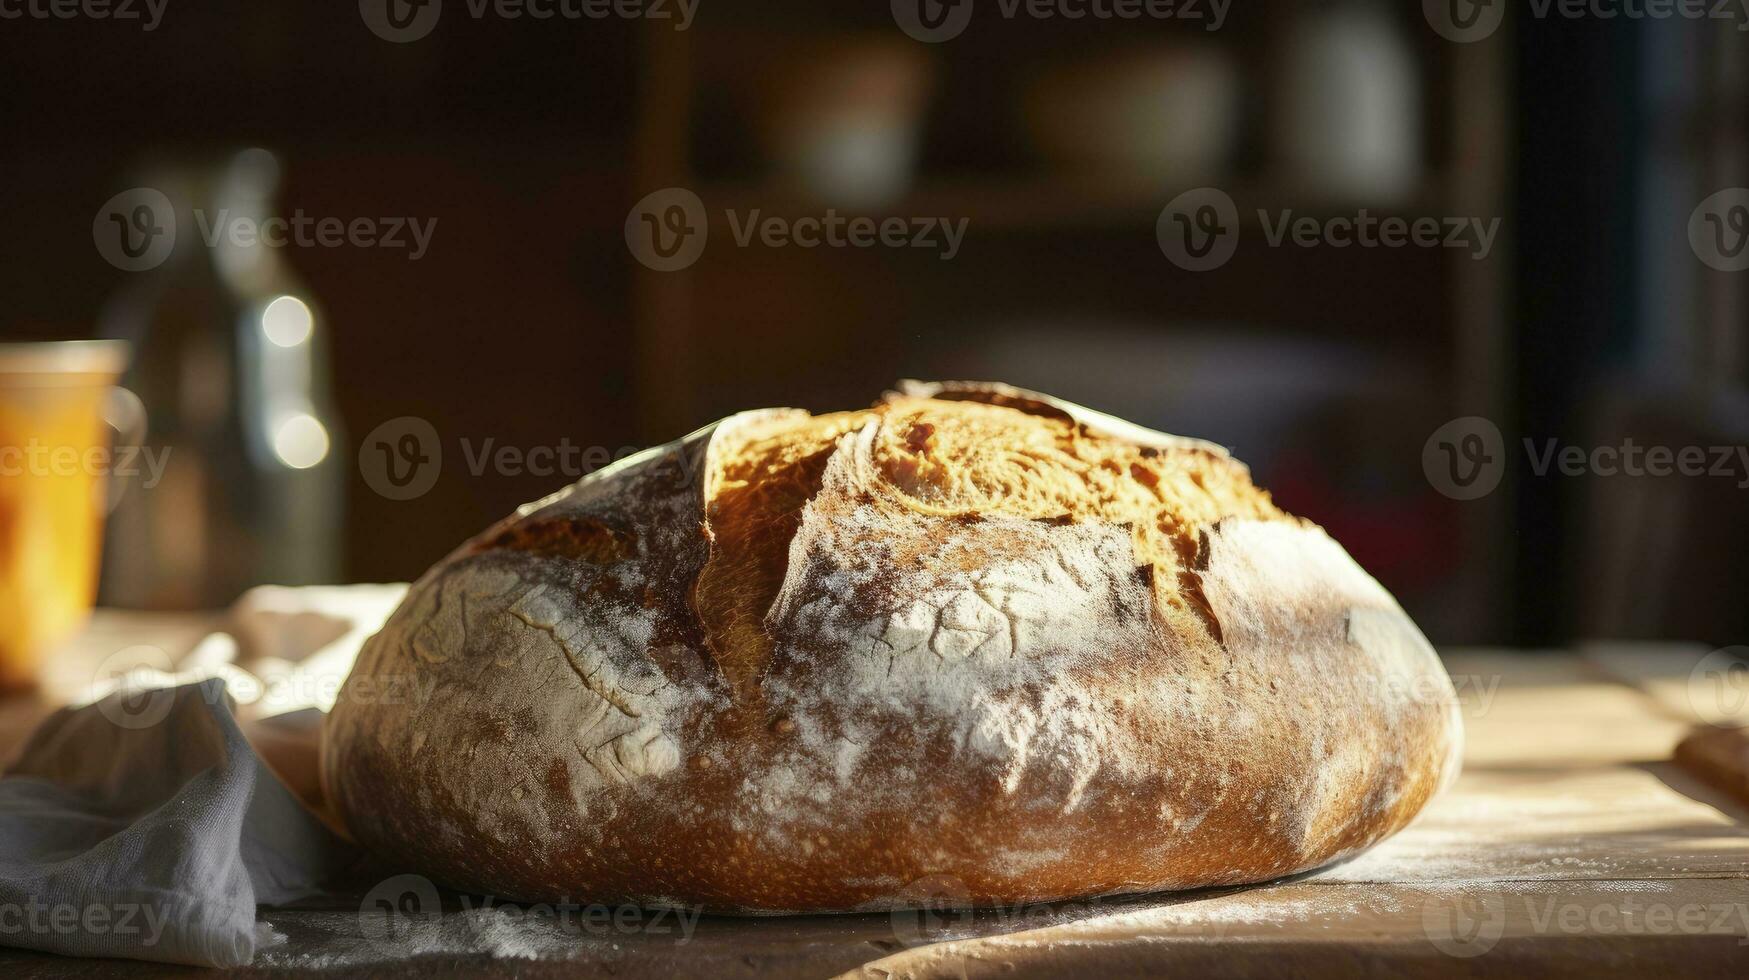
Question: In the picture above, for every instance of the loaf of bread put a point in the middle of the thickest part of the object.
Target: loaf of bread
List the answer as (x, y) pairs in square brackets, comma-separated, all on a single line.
[(806, 663)]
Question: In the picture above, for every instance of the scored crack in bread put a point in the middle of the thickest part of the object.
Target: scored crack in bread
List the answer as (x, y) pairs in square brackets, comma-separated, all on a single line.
[(972, 635)]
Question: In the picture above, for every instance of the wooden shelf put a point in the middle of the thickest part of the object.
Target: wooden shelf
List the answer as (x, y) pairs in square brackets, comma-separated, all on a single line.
[(1059, 203)]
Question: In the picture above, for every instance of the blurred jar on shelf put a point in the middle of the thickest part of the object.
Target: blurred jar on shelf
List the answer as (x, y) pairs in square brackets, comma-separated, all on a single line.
[(841, 120), (1348, 103), (1164, 114), (232, 364)]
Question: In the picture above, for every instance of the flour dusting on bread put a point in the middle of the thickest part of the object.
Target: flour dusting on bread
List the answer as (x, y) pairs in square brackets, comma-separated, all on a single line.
[(797, 662)]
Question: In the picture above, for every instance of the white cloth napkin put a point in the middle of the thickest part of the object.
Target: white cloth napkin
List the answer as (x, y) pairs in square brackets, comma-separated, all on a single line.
[(143, 823)]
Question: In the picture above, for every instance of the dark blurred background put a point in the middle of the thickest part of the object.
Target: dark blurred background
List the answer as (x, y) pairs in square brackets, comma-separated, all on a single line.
[(529, 322)]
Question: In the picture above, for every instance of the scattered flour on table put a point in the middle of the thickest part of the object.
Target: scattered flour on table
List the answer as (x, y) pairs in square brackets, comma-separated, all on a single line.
[(488, 931)]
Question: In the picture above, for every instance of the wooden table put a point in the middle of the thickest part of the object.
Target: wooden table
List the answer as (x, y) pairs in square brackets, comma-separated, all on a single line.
[(1571, 846)]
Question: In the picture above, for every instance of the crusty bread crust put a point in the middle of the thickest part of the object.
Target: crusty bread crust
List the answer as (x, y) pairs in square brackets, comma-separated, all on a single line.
[(797, 663)]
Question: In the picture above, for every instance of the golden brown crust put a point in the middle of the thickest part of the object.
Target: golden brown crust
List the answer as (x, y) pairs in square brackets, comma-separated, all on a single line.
[(796, 663), (754, 496)]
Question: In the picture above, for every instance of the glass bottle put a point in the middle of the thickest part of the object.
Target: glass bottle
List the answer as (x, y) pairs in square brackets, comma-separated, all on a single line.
[(232, 367)]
